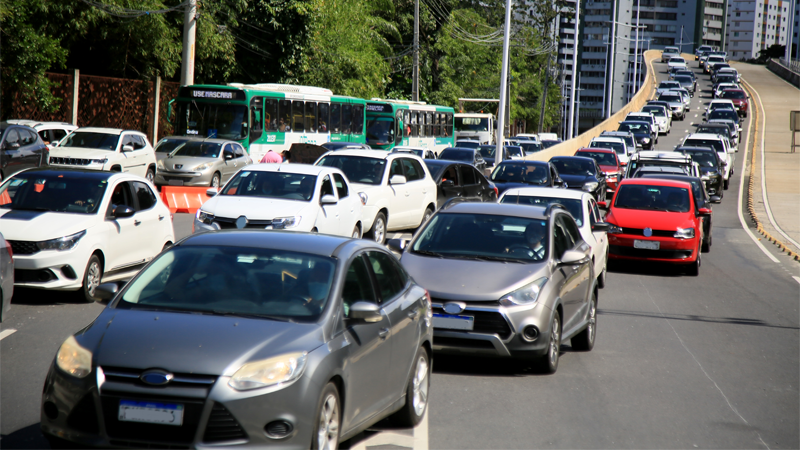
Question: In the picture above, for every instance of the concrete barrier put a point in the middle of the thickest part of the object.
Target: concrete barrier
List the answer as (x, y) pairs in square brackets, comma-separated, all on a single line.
[(784, 72)]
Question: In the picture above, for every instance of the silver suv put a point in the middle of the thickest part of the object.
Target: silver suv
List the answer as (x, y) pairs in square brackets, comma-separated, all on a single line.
[(676, 104), (505, 280)]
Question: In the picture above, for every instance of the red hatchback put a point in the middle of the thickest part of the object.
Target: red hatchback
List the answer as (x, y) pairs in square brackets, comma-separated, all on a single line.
[(608, 162), (655, 220), (739, 99)]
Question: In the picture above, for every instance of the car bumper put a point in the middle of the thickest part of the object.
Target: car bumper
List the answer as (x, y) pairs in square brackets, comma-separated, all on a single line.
[(51, 269), (672, 250), (184, 178)]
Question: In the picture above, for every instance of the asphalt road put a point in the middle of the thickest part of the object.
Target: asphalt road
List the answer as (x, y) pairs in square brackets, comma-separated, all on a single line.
[(679, 362)]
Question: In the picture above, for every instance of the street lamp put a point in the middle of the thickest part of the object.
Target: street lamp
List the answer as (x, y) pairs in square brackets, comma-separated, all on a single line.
[(612, 58)]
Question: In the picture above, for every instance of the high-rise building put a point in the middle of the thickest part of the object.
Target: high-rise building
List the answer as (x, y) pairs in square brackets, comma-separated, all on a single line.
[(755, 25)]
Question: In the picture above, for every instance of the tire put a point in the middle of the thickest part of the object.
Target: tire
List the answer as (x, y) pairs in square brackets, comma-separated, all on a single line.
[(328, 422), (215, 179), (706, 245), (356, 232), (425, 217), (150, 175), (601, 279), (584, 341), (416, 392), (378, 232), (694, 268), (548, 362), (725, 184), (92, 277)]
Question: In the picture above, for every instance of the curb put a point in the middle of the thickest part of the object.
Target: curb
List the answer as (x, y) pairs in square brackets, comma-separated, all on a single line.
[(750, 203)]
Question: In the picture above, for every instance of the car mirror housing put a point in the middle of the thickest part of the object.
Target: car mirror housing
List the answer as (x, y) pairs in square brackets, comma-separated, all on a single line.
[(602, 205), (328, 199), (448, 183), (397, 179), (106, 291), (704, 211), (398, 245), (365, 311), (600, 226), (716, 198), (123, 211), (211, 192), (127, 148), (571, 257)]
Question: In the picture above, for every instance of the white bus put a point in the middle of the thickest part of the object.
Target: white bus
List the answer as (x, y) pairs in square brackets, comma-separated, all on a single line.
[(475, 126)]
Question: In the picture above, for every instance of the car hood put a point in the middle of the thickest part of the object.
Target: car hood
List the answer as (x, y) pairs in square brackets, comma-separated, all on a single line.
[(192, 343), (80, 152), (455, 279), (609, 169), (657, 220), (188, 162), (576, 180), (254, 208), (17, 225), (502, 187)]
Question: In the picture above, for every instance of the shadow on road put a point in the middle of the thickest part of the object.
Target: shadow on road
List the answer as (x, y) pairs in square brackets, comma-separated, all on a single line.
[(28, 437), (653, 269), (470, 365), (23, 296), (694, 318)]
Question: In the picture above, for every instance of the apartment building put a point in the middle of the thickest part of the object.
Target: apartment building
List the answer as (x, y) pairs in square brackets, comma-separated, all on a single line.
[(755, 25)]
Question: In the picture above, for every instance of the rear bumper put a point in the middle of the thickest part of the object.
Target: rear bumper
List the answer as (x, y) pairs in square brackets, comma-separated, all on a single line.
[(672, 250)]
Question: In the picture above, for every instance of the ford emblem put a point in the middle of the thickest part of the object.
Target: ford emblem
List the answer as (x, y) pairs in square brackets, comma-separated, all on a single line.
[(648, 232), (454, 307), (241, 222), (156, 377)]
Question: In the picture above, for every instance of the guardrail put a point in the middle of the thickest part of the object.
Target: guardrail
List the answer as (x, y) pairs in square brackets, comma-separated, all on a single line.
[(788, 70), (791, 64)]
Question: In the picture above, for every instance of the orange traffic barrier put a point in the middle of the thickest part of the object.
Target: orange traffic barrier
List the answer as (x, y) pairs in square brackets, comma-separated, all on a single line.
[(5, 198), (184, 199)]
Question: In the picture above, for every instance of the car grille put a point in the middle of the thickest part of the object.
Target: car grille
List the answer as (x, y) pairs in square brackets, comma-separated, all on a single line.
[(643, 253), (222, 426), (230, 224), (656, 233), (131, 377), (485, 322), (24, 247), (70, 161), (464, 343)]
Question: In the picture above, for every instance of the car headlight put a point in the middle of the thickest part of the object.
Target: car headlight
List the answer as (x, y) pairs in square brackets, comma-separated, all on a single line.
[(98, 161), (363, 198), (279, 223), (74, 359), (684, 233), (525, 295), (62, 243), (590, 186), (204, 217), (269, 372), (646, 140), (160, 164), (204, 166)]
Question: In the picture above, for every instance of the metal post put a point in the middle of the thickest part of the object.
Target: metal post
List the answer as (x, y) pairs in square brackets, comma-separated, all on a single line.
[(635, 85), (75, 92), (578, 110), (613, 57), (155, 110), (574, 69), (544, 94), (681, 41), (189, 22), (501, 111), (415, 77)]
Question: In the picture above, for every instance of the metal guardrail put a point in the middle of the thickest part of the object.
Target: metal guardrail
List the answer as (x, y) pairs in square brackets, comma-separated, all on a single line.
[(792, 64)]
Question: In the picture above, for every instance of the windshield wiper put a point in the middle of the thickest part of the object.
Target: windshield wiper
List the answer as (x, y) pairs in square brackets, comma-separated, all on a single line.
[(501, 259), (34, 208), (250, 315), (428, 253)]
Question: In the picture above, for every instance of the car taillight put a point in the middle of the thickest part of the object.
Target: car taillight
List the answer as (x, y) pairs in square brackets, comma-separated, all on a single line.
[(496, 192), (10, 252)]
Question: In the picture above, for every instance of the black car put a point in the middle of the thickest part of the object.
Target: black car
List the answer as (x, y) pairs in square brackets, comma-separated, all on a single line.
[(720, 113), (583, 174), (456, 179), (515, 174), (530, 147), (467, 155), (641, 131), (20, 148), (711, 168), (701, 199)]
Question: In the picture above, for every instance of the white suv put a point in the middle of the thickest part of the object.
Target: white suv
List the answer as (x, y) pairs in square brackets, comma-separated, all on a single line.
[(400, 191), (106, 149)]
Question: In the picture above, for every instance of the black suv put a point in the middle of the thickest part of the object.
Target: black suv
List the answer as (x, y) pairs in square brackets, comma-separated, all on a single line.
[(20, 148), (710, 168)]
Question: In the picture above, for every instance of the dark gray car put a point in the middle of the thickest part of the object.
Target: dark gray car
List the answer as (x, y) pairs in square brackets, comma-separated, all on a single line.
[(505, 280), (20, 148), (246, 338)]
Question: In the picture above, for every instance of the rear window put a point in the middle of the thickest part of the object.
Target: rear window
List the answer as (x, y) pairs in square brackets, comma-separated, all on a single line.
[(733, 94), (713, 143)]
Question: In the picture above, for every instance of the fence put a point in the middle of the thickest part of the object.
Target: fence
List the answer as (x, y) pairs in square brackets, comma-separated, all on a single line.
[(93, 101), (791, 64)]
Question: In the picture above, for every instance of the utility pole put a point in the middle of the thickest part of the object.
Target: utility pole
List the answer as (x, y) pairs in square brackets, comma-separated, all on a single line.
[(680, 46), (501, 111), (189, 22), (544, 94), (612, 58), (415, 82), (574, 69), (635, 84)]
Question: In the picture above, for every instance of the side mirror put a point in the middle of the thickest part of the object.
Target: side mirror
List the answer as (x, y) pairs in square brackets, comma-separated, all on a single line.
[(127, 148), (328, 199), (398, 245), (704, 211), (600, 226), (365, 311), (123, 211), (715, 199), (212, 192), (106, 291), (571, 257), (602, 205), (10, 146), (397, 179), (228, 156), (448, 183)]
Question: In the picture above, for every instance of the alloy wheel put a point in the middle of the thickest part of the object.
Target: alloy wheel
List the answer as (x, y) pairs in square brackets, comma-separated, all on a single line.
[(328, 432), (92, 278), (379, 231), (421, 386), (555, 342)]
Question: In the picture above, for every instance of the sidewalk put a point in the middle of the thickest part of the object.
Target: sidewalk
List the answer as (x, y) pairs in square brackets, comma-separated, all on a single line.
[(781, 168)]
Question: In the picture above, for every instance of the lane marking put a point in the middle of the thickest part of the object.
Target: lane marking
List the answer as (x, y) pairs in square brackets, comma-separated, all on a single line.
[(741, 190), (6, 333), (796, 278)]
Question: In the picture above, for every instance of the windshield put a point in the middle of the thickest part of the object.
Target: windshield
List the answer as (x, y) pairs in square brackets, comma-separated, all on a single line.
[(86, 139), (513, 151), (618, 147), (671, 98), (602, 158), (656, 198), (487, 151), (654, 111), (251, 282), (548, 144), (211, 120), (520, 173), (573, 166), (457, 155), (634, 127), (36, 191), (359, 169), (723, 114), (380, 131), (168, 145), (199, 149), (573, 205), (471, 124), (733, 94), (289, 186), (669, 85), (684, 79), (703, 159), (725, 131), (713, 143), (530, 147), (483, 237)]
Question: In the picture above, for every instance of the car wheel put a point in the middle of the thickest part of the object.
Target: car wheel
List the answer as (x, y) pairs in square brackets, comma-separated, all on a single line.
[(584, 341), (694, 268), (328, 420), (378, 232), (416, 392), (215, 180), (91, 279), (549, 361), (150, 175), (356, 232)]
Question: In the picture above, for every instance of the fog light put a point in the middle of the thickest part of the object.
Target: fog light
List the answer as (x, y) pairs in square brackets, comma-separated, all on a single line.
[(50, 410), (69, 272), (278, 429), (530, 333)]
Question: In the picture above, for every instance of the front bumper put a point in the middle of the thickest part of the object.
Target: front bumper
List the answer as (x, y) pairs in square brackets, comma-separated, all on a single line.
[(184, 178), (52, 269), (672, 250)]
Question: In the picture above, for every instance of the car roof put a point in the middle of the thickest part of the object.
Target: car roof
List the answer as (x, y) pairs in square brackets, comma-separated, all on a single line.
[(592, 149), (617, 133), (75, 173), (676, 177), (659, 169), (304, 169), (376, 154), (694, 148), (654, 182), (567, 157), (500, 209), (713, 125), (704, 136), (464, 149), (655, 154), (523, 162), (442, 162), (546, 191), (602, 138)]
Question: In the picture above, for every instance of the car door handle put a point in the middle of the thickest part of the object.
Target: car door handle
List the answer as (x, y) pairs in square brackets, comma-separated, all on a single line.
[(407, 193), (383, 332), (413, 314), (137, 222), (161, 217)]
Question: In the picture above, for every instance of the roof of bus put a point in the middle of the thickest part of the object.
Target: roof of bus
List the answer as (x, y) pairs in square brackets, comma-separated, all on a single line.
[(277, 89)]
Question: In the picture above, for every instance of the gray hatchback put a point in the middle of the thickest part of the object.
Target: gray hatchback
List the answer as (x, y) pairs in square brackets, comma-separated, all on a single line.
[(505, 280), (248, 339), (207, 162)]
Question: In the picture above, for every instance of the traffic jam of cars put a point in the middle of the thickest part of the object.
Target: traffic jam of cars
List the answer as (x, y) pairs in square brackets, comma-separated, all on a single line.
[(293, 315)]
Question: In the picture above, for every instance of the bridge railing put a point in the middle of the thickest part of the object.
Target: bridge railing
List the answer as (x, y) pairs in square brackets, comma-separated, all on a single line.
[(791, 64)]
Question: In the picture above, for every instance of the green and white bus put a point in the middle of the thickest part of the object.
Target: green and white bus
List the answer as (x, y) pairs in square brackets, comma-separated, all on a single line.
[(396, 123), (266, 117)]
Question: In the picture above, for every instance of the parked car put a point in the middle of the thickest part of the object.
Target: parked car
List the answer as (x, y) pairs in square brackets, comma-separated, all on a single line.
[(505, 280), (110, 149), (583, 208), (50, 132), (467, 155), (71, 228), (655, 220), (608, 162), (511, 174), (581, 173), (207, 162), (20, 148), (662, 116), (459, 180), (294, 197), (6, 276), (400, 193), (711, 169), (260, 339)]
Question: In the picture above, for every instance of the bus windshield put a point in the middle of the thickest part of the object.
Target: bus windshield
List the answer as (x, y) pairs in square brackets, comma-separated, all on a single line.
[(212, 120), (471, 124), (380, 130)]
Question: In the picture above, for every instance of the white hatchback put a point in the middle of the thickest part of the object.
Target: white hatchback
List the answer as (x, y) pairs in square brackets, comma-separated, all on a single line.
[(295, 197), (72, 229)]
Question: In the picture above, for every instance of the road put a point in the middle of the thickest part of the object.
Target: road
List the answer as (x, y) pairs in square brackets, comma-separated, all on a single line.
[(679, 362)]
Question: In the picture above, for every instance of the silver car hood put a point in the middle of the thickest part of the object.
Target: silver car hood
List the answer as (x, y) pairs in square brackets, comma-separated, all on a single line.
[(188, 162), (468, 280)]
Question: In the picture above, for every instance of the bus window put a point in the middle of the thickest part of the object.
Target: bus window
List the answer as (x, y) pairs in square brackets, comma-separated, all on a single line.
[(336, 118), (437, 122), (297, 116), (407, 123), (414, 124), (448, 129), (429, 123), (322, 117), (271, 114), (256, 118), (285, 116), (358, 119), (424, 122), (347, 117), (311, 117)]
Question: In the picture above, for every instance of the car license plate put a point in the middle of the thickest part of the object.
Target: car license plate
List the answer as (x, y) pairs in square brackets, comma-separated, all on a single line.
[(648, 245), (174, 182), (151, 412), (453, 322)]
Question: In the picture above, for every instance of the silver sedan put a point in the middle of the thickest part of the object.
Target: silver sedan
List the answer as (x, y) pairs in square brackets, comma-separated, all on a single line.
[(207, 162)]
